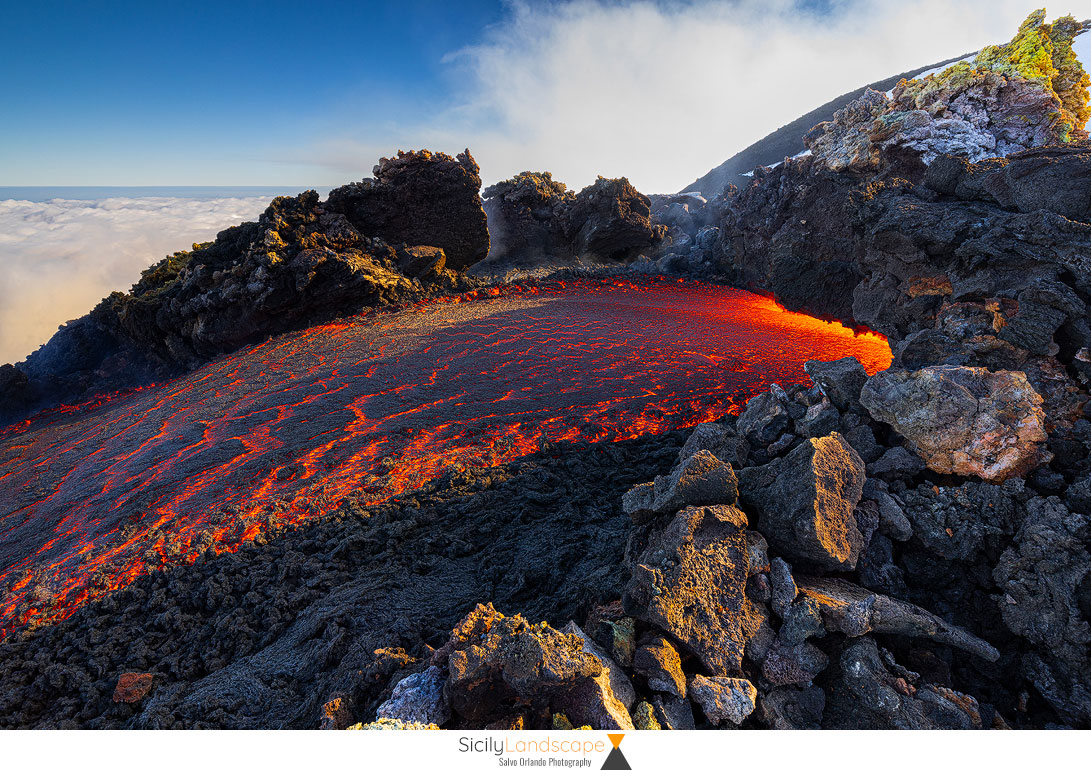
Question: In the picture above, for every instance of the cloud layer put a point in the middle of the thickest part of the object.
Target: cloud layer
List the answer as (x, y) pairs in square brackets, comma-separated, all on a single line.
[(663, 92), (59, 258)]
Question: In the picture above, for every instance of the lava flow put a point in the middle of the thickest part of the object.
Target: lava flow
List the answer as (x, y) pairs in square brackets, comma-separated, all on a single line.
[(368, 408)]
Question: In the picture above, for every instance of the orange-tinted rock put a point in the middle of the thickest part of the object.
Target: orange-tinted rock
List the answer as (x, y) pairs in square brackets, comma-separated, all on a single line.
[(690, 581), (966, 421), (132, 687), (805, 502)]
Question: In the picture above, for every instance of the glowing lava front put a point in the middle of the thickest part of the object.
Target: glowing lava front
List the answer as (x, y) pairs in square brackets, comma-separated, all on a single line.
[(368, 408)]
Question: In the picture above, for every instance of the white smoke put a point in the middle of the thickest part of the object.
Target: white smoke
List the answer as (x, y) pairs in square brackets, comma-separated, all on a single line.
[(59, 258), (662, 92)]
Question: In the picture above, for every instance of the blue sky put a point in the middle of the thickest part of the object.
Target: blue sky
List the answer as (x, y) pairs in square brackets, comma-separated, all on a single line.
[(98, 93), (311, 94)]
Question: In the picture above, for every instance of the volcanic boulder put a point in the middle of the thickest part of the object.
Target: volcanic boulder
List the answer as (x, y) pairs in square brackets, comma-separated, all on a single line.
[(526, 216), (793, 664), (611, 220), (765, 418), (718, 439), (866, 693), (805, 501), (613, 679), (421, 261), (840, 380), (657, 660), (418, 698), (690, 580), (724, 698), (699, 480), (422, 199), (850, 609), (499, 666), (967, 421)]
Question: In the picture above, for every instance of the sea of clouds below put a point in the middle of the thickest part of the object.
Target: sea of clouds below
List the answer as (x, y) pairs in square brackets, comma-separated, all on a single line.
[(61, 257)]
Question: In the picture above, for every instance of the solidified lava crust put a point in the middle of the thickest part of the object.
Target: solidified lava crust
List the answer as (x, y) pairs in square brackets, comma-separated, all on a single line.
[(371, 407)]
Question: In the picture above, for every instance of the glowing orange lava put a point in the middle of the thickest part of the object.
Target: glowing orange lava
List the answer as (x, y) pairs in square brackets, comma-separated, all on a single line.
[(367, 408)]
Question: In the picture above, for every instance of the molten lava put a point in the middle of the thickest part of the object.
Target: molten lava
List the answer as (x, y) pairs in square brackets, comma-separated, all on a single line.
[(367, 408)]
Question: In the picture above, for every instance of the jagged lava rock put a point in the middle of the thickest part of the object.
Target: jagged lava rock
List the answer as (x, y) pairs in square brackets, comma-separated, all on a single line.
[(418, 698), (421, 198), (850, 609), (619, 684), (793, 664), (657, 661), (805, 501), (840, 380), (536, 218), (866, 694), (718, 439), (723, 697), (513, 663), (612, 220), (967, 421), (690, 581), (699, 480)]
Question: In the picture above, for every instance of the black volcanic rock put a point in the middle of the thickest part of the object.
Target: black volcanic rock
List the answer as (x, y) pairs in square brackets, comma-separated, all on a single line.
[(804, 502), (535, 219), (15, 392), (527, 217), (421, 198), (611, 220), (868, 693), (298, 263)]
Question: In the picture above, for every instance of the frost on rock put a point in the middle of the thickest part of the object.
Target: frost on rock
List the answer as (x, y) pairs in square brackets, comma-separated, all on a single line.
[(1026, 93)]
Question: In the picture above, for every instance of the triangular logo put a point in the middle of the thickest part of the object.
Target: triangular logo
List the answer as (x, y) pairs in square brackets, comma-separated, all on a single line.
[(615, 761)]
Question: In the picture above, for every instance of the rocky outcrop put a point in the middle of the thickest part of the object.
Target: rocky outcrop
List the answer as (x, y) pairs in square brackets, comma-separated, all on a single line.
[(383, 240), (1010, 98), (418, 698), (724, 698), (536, 220), (699, 480), (510, 661), (421, 199), (968, 421)]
